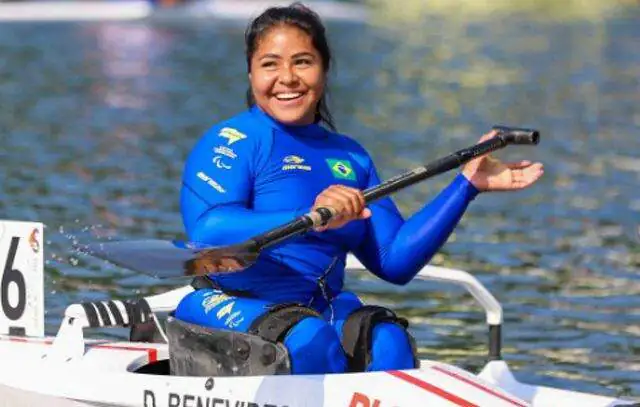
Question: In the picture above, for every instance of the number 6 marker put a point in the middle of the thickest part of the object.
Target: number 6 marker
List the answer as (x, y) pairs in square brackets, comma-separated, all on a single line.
[(21, 279)]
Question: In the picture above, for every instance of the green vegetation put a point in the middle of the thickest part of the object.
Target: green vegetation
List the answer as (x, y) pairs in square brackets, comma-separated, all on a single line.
[(415, 10)]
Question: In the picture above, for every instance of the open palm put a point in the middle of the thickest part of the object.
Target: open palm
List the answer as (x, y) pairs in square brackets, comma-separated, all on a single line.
[(487, 173)]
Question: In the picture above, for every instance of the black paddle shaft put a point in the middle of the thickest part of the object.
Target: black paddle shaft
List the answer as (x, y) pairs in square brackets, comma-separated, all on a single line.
[(506, 135), (168, 259)]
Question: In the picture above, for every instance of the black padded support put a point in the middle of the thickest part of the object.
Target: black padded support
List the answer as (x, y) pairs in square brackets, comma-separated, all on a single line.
[(275, 323), (495, 342), (357, 334)]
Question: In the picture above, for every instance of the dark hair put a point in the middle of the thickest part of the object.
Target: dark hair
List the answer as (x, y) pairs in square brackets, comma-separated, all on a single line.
[(300, 16)]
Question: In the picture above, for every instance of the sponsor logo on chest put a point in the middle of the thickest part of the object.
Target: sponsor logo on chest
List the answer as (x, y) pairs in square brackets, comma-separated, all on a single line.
[(294, 162)]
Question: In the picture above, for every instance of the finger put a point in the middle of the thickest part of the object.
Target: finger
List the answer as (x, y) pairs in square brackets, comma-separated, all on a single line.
[(348, 209), (355, 195), (365, 214), (326, 201), (350, 199), (518, 165), (488, 136), (473, 164), (336, 200), (360, 197), (526, 177), (335, 223)]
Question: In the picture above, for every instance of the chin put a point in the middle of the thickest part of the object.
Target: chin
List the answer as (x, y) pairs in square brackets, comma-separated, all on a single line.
[(292, 118)]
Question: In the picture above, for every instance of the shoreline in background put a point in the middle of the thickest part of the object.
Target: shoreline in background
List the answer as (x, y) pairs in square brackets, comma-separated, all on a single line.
[(417, 10), (143, 9)]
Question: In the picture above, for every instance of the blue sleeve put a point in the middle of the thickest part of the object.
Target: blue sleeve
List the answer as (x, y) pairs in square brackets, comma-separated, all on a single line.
[(395, 250), (215, 199)]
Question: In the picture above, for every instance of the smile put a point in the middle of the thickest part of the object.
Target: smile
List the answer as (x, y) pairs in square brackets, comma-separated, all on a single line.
[(288, 96)]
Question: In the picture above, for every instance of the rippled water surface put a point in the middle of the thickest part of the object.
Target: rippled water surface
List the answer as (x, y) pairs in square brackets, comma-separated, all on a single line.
[(96, 120)]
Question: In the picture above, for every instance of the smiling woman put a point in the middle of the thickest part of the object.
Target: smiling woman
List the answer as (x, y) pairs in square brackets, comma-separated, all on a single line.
[(272, 163), (288, 60)]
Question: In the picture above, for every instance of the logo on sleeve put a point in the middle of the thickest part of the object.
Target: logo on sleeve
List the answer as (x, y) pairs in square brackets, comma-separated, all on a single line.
[(341, 169), (211, 182), (217, 160), (222, 152), (225, 151), (232, 135)]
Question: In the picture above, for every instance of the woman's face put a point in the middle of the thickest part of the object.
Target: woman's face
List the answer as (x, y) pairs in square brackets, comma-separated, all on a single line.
[(287, 78)]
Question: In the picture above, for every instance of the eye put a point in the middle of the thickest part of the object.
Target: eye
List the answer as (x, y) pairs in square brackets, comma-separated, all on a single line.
[(303, 62), (268, 64)]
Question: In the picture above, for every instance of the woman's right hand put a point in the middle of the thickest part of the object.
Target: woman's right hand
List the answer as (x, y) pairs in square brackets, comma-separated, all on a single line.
[(348, 204)]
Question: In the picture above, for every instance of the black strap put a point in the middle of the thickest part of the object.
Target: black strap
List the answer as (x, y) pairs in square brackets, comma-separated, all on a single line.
[(142, 312), (92, 315), (357, 334), (128, 307), (104, 314), (116, 313), (200, 282), (143, 327), (145, 332), (138, 311), (277, 321)]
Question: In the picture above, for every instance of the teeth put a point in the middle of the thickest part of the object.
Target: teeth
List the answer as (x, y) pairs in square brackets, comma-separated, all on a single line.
[(288, 96)]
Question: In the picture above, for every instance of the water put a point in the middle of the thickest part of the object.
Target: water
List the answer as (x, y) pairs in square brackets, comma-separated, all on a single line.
[(97, 119)]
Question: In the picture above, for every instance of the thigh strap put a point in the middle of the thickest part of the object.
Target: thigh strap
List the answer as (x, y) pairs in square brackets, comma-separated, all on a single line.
[(357, 334), (274, 325)]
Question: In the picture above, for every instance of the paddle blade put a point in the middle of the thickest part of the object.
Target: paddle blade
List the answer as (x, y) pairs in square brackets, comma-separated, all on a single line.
[(157, 258), (173, 259), (222, 260)]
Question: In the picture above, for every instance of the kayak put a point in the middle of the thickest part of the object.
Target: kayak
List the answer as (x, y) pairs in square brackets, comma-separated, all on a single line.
[(69, 369), (51, 10)]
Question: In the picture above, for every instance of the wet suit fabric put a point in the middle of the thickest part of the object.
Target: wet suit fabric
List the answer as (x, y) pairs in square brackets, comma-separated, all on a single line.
[(250, 174)]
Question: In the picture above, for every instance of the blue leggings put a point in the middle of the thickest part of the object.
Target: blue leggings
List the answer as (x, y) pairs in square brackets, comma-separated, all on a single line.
[(313, 343)]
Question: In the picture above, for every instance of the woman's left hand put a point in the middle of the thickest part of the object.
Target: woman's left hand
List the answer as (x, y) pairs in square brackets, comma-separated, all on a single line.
[(487, 173)]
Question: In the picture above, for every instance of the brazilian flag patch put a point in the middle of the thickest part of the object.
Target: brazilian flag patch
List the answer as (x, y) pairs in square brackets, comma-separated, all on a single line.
[(341, 169)]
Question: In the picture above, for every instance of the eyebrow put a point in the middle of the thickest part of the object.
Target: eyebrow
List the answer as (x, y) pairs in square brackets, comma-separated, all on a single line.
[(297, 55)]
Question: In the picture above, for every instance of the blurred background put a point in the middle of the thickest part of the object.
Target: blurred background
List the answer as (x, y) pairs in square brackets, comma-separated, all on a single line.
[(100, 103)]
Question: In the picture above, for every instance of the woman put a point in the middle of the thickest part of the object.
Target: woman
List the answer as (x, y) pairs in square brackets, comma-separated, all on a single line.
[(262, 168)]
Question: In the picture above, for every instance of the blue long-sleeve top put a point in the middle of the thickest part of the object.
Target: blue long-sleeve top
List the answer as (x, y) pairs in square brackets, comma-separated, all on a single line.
[(251, 173)]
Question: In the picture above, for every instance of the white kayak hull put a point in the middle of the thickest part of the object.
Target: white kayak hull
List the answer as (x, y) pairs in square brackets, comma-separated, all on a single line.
[(70, 370), (105, 376)]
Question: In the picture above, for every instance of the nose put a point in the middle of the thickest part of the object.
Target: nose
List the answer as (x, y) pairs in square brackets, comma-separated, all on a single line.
[(288, 75)]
